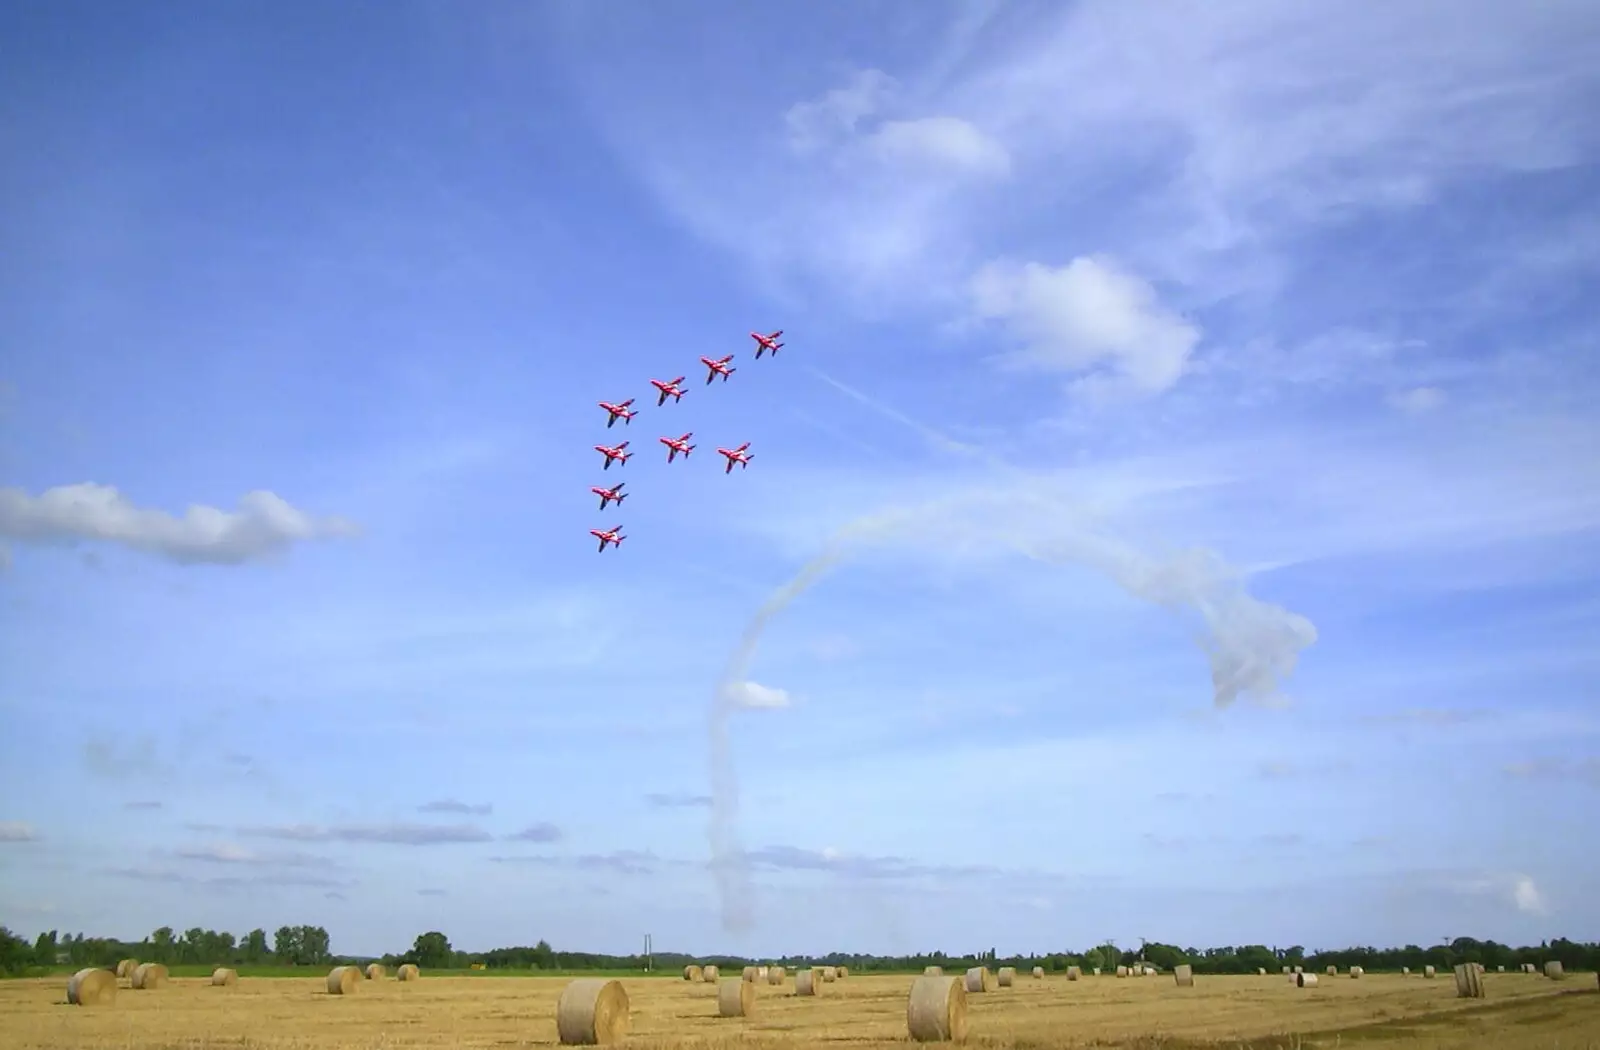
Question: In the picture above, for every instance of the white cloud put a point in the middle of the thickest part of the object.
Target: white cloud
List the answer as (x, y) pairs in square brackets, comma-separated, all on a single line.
[(1525, 894), (843, 120), (1233, 135), (837, 114), (229, 853), (754, 695), (17, 831), (1418, 399), (1517, 889), (263, 525), (1086, 314), (949, 142)]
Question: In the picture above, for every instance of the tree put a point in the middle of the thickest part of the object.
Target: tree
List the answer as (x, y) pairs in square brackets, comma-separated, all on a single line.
[(286, 945), (431, 950), (45, 949), (15, 955), (254, 947), (313, 945), (162, 945), (193, 947)]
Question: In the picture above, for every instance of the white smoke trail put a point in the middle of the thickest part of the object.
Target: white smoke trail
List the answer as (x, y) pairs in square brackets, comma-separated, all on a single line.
[(1251, 645)]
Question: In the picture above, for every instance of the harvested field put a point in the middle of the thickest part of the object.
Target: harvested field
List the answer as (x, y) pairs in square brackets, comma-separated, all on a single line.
[(477, 1013)]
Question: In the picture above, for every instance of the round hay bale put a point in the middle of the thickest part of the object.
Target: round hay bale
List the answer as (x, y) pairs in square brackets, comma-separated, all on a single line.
[(1428, 971), (830, 973), (223, 977), (126, 967), (343, 980), (979, 979), (375, 971), (1554, 970), (1356, 971), (1038, 973), (749, 974), (1183, 975), (1261, 971), (593, 1011), (1333, 971), (933, 971), (842, 972), (1405, 971), (1149, 971), (1122, 971), (1299, 969), (736, 997), (92, 987), (1007, 976), (1288, 970), (148, 976), (807, 981), (761, 972), (1097, 971), (936, 1009), (709, 974), (1469, 982), (1499, 969), (775, 974), (691, 972), (1305, 980), (408, 972)]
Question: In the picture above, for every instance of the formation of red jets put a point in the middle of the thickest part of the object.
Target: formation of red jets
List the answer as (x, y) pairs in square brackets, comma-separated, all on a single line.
[(672, 388)]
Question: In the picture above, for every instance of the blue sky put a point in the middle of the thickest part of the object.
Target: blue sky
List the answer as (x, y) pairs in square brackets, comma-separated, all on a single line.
[(1176, 501)]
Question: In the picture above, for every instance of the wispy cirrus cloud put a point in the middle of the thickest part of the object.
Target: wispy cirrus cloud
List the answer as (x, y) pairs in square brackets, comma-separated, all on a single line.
[(623, 862), (1579, 771), (176, 877), (1074, 96), (450, 805), (126, 759), (392, 834), (229, 853), (855, 865), (665, 800)]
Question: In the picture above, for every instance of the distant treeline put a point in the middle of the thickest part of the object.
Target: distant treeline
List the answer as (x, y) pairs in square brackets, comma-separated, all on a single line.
[(309, 946)]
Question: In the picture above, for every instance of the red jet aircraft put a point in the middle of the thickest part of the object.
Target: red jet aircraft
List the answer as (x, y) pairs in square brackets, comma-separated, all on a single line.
[(675, 446), (718, 368), (669, 389), (622, 412), (614, 454), (767, 342), (614, 537), (737, 455), (613, 495)]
